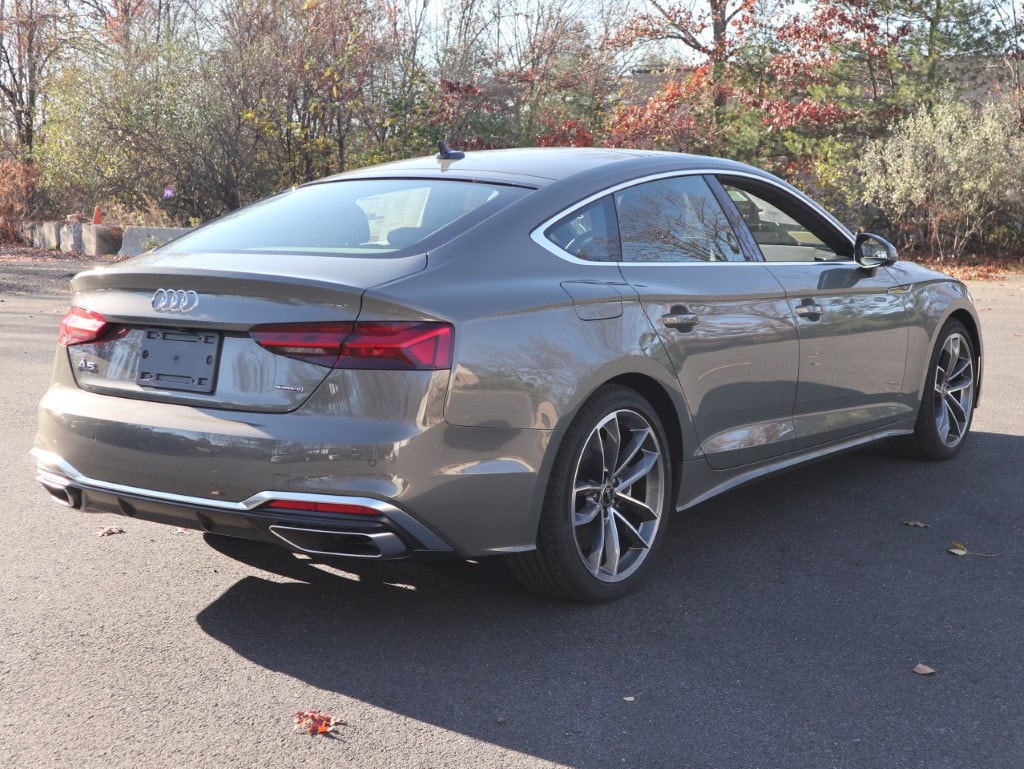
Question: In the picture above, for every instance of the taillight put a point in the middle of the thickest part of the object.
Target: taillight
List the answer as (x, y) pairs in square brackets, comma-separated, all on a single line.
[(318, 343), (79, 326), (398, 345), (371, 345), (320, 507)]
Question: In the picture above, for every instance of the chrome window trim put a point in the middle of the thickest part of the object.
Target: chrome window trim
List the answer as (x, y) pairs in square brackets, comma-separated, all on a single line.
[(537, 233)]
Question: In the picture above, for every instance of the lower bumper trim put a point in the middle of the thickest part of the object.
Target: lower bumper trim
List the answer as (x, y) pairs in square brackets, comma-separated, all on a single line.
[(391, 533)]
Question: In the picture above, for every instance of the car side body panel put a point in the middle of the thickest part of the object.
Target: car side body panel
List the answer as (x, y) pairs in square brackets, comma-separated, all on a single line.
[(578, 327), (737, 363), (853, 348)]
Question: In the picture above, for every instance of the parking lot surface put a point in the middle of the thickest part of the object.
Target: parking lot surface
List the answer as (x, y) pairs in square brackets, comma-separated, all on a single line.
[(780, 630)]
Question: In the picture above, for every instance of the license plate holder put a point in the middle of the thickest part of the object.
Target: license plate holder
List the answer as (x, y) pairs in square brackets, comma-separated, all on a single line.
[(179, 360)]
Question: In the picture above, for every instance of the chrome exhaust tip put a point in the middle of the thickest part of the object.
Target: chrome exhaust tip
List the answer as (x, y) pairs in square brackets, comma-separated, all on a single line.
[(351, 544), (65, 495)]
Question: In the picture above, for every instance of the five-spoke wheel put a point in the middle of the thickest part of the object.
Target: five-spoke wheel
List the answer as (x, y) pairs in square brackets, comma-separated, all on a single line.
[(617, 495), (607, 502), (950, 391), (953, 389)]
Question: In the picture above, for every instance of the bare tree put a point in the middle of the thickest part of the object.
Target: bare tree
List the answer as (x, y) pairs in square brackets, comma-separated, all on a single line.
[(32, 33)]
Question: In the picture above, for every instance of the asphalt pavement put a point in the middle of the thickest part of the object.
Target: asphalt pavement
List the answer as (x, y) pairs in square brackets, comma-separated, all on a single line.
[(780, 631)]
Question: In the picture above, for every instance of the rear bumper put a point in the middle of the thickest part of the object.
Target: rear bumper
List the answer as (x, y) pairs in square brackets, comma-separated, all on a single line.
[(389, 533), (479, 490)]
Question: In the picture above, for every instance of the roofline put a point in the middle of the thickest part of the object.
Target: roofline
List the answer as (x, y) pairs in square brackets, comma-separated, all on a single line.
[(473, 167)]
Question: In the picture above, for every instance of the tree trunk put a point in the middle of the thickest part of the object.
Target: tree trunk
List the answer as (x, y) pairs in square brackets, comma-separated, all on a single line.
[(719, 28)]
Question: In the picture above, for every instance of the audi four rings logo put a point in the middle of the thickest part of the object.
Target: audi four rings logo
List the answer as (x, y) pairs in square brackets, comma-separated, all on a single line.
[(174, 300)]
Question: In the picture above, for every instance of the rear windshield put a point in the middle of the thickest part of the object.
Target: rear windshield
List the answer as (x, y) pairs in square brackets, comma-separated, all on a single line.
[(362, 217)]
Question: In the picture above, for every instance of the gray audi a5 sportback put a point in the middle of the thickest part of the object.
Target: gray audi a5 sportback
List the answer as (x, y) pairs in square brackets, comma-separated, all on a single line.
[(535, 353)]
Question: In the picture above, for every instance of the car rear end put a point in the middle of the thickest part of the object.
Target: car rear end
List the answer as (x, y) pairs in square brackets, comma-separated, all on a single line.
[(231, 381)]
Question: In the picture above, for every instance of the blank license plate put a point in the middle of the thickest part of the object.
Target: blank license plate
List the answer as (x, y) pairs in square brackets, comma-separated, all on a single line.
[(179, 360)]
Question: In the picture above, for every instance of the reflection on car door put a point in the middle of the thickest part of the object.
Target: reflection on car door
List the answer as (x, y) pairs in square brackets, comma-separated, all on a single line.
[(852, 322), (853, 348), (725, 324)]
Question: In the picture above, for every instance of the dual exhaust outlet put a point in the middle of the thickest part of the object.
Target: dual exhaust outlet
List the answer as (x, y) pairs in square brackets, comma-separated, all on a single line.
[(329, 542)]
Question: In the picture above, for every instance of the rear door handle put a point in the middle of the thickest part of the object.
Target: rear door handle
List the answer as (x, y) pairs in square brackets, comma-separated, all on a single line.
[(682, 321)]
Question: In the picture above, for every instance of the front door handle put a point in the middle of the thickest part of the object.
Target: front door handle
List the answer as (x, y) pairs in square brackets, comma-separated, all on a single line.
[(810, 311), (682, 321)]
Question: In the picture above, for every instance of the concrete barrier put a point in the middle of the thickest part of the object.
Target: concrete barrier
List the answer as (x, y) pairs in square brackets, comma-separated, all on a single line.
[(139, 239), (28, 232), (71, 238), (47, 236), (100, 239)]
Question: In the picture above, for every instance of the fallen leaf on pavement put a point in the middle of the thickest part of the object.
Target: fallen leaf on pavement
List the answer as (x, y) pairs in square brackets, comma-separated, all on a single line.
[(915, 524), (959, 548), (923, 670), (629, 699), (314, 722), (109, 530)]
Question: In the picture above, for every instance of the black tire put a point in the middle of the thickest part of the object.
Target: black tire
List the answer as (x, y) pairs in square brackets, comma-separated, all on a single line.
[(947, 404), (607, 503)]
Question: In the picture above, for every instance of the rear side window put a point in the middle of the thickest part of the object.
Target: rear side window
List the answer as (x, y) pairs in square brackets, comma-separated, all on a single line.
[(674, 220), (588, 233), (363, 217)]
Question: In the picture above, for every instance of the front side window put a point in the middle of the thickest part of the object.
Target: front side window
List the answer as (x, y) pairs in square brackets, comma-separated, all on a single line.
[(359, 217), (781, 230), (674, 220)]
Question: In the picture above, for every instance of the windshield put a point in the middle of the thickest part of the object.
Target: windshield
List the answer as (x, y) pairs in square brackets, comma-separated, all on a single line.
[(363, 217)]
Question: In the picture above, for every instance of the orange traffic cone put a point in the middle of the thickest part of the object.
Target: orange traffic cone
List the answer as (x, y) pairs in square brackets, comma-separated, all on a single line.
[(96, 218)]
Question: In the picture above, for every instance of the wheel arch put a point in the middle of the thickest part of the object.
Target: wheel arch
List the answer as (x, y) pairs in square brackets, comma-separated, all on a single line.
[(667, 412), (940, 436), (971, 324), (554, 566), (668, 407)]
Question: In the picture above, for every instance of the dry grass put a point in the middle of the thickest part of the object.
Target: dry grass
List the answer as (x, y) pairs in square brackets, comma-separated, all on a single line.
[(977, 266), (17, 252)]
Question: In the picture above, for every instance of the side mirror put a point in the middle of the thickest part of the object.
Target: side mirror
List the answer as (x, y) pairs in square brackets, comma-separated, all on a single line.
[(873, 251)]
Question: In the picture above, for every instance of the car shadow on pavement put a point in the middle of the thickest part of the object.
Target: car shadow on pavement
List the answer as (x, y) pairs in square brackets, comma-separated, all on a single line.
[(779, 629)]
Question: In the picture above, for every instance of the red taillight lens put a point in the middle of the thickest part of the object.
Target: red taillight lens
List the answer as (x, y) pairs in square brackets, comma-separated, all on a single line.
[(398, 345), (369, 345), (320, 507), (79, 326), (318, 343)]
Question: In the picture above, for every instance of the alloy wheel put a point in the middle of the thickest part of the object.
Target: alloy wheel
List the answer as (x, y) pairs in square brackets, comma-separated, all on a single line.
[(618, 495), (954, 389)]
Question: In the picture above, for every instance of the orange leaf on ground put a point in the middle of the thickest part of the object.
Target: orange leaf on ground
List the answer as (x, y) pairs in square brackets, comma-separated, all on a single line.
[(314, 722)]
